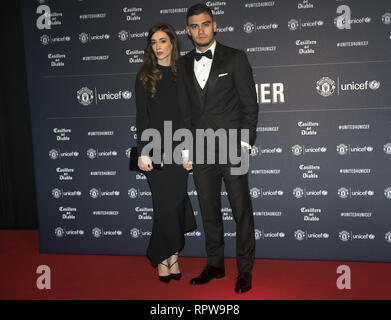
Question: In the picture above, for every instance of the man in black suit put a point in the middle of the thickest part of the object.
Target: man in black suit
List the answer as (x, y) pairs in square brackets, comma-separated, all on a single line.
[(216, 90)]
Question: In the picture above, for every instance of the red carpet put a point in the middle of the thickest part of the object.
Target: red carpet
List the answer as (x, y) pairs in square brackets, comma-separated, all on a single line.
[(132, 278)]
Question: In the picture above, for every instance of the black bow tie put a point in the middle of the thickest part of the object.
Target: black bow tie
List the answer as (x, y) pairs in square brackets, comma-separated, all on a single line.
[(207, 54)]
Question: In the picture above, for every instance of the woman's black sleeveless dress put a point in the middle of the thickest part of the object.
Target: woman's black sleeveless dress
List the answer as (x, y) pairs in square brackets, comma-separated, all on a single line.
[(172, 211)]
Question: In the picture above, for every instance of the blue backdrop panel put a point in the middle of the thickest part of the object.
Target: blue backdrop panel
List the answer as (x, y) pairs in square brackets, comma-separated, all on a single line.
[(320, 168)]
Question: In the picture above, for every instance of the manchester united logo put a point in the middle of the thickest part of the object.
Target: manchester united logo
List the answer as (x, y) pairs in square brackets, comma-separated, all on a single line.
[(85, 96), (325, 86)]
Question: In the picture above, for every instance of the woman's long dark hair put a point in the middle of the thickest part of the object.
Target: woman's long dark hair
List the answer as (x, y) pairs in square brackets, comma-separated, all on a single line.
[(149, 72)]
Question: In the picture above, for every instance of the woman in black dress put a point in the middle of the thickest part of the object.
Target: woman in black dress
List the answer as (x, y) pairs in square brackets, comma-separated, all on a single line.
[(155, 103)]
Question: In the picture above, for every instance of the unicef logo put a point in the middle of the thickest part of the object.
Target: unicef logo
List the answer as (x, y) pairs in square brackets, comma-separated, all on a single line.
[(254, 151), (91, 153), (59, 232), (344, 236), (258, 234), (387, 193), (374, 84), (53, 154), (386, 18), (96, 232), (123, 35), (45, 39), (126, 95), (299, 235), (255, 192), (387, 148), (298, 193), (343, 193), (325, 87), (135, 233), (388, 236), (297, 150), (56, 193), (342, 149), (249, 27), (133, 193), (85, 96), (83, 37), (94, 193), (293, 25)]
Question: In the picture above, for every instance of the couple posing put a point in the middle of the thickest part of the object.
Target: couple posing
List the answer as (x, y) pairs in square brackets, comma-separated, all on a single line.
[(210, 87)]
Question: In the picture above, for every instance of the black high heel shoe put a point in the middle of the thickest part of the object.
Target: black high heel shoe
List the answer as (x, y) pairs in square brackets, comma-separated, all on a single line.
[(165, 279), (175, 276)]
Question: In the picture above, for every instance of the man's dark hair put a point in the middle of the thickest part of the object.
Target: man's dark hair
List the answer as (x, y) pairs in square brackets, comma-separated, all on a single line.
[(198, 9)]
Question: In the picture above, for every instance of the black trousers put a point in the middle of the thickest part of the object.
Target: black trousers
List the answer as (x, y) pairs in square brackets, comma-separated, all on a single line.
[(208, 180)]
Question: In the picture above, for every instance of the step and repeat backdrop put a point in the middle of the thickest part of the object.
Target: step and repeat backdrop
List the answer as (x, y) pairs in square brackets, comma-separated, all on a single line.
[(320, 171)]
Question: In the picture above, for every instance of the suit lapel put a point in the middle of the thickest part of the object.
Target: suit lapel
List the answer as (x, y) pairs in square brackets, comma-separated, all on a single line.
[(215, 68), (218, 61), (191, 77)]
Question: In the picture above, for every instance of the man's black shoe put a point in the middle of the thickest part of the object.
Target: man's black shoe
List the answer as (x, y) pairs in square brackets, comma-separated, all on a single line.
[(243, 282), (208, 274)]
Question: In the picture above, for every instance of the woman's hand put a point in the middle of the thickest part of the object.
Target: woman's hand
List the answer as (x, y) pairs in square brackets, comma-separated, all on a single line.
[(188, 165), (145, 163)]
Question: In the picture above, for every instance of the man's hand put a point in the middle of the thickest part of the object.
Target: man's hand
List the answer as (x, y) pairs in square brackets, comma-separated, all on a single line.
[(145, 163), (245, 146), (245, 149), (188, 165)]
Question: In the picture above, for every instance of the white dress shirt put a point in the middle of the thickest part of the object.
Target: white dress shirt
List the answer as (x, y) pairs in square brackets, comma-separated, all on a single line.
[(202, 66)]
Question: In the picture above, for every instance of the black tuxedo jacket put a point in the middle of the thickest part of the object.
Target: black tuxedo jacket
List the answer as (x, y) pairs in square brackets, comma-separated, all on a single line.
[(229, 98)]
